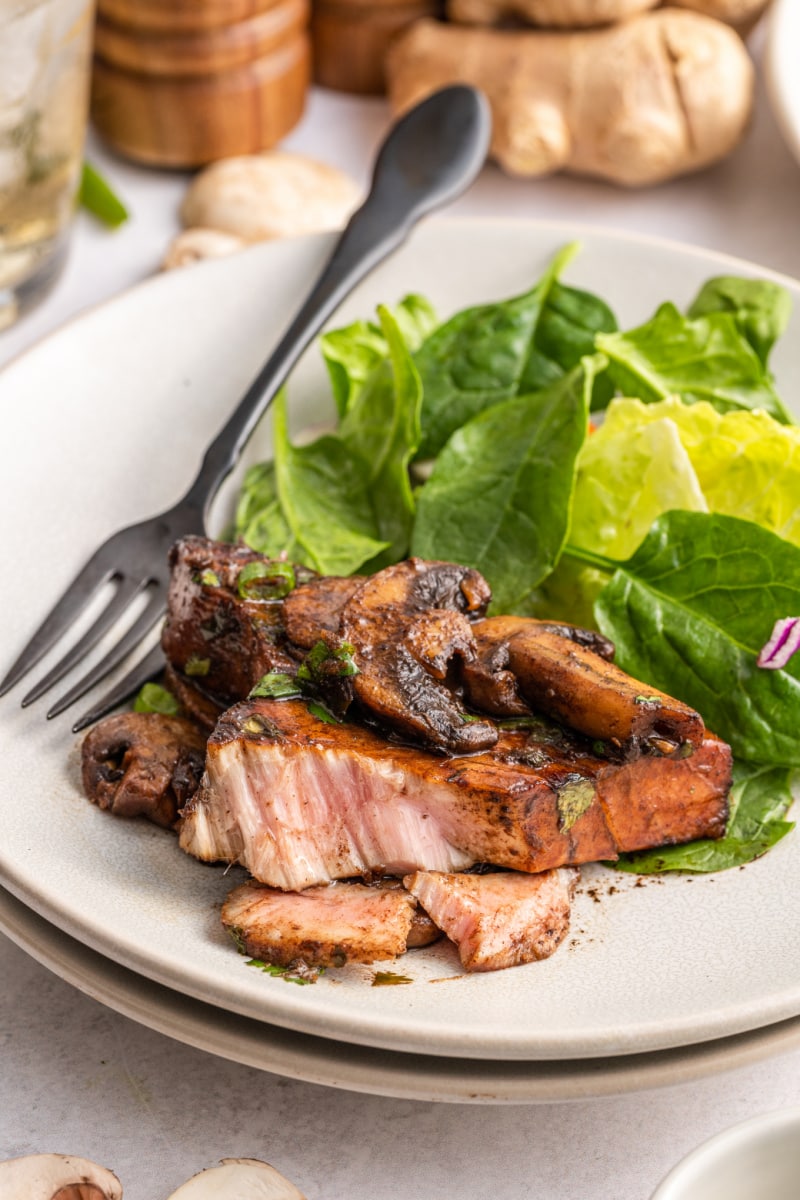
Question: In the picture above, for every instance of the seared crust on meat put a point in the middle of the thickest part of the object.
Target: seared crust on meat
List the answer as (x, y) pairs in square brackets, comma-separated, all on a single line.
[(212, 636), (299, 801), (143, 765), (321, 927)]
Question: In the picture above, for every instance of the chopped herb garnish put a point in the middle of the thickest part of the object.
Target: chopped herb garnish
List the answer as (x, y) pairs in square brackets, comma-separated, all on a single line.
[(300, 973), (324, 661), (275, 686), (389, 979), (468, 718), (322, 713), (600, 749), (207, 579), (155, 698), (648, 701), (195, 665), (258, 726), (265, 581), (574, 798)]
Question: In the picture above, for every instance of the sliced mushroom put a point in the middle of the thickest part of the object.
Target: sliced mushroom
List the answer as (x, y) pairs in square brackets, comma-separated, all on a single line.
[(262, 196), (143, 764), (573, 684), (489, 684), (57, 1177), (313, 610), (237, 1178), (410, 631)]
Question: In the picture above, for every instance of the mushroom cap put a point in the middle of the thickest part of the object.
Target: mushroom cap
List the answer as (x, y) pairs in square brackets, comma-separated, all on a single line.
[(238, 1179), (47, 1176), (262, 196)]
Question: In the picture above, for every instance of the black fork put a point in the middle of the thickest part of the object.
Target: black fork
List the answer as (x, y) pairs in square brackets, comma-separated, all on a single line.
[(428, 158)]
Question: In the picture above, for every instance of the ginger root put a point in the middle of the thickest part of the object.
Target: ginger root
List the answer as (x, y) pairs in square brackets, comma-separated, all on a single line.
[(556, 14), (741, 14), (657, 96)]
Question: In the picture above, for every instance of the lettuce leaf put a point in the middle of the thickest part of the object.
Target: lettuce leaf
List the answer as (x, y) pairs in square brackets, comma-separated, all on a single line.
[(704, 358)]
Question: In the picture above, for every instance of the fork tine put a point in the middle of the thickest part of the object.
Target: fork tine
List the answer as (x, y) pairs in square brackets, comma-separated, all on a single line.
[(151, 665), (127, 642), (116, 606), (72, 602)]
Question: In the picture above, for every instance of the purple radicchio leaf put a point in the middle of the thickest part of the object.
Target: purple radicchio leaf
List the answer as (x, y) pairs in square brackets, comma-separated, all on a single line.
[(783, 643)]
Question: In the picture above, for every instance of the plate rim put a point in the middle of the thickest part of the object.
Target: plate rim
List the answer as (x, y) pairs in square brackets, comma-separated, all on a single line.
[(370, 1070)]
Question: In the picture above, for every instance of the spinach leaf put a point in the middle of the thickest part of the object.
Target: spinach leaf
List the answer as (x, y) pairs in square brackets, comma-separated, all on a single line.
[(569, 321), (351, 354), (259, 517), (324, 500), (760, 799), (706, 358), (689, 612), (487, 354), (500, 493), (761, 309), (381, 429)]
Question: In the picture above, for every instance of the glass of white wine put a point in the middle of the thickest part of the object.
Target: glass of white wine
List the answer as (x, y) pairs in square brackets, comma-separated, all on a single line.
[(45, 61)]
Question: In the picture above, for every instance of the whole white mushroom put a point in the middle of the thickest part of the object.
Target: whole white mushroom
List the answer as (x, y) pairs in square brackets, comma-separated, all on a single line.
[(273, 195)]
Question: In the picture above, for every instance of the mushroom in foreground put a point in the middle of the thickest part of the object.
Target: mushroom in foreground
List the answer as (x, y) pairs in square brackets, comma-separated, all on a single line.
[(238, 1179), (65, 1177)]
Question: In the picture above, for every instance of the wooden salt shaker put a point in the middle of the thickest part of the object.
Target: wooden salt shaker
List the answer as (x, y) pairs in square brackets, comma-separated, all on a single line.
[(351, 37), (180, 83)]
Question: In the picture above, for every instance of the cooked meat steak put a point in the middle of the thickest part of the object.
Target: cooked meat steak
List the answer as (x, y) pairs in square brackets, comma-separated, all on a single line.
[(410, 629), (321, 927), (214, 637), (498, 920), (300, 801), (569, 680), (143, 764)]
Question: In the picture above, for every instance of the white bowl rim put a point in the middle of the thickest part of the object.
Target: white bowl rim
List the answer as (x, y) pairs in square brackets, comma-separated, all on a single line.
[(720, 1144)]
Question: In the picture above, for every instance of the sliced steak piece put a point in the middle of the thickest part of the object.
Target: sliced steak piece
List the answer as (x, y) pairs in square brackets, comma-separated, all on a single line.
[(572, 680), (217, 639), (300, 801), (321, 927), (312, 611), (410, 628), (143, 765), (498, 920)]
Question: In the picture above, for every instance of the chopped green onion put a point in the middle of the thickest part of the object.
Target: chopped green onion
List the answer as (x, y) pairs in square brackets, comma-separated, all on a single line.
[(648, 701), (96, 196), (266, 580), (197, 666), (322, 713), (155, 698), (207, 579), (275, 686), (324, 661)]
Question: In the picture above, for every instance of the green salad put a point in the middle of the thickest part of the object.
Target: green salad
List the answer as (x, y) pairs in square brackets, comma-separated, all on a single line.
[(643, 482)]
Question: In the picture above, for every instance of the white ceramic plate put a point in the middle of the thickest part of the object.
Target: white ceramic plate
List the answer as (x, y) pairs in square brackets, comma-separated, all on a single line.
[(780, 64), (105, 423), (359, 1068)]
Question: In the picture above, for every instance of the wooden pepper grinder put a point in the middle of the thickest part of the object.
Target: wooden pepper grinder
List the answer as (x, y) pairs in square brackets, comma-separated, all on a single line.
[(351, 37), (180, 83)]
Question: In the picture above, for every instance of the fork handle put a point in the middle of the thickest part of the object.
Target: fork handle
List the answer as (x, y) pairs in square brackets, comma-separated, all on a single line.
[(430, 156)]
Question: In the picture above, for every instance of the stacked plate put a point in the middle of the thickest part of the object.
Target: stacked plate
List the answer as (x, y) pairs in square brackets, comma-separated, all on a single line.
[(105, 422)]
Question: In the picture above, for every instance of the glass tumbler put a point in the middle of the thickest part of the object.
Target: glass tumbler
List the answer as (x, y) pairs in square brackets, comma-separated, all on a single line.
[(45, 61)]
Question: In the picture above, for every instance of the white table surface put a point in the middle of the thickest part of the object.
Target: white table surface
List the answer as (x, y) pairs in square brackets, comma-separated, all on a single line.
[(77, 1078)]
